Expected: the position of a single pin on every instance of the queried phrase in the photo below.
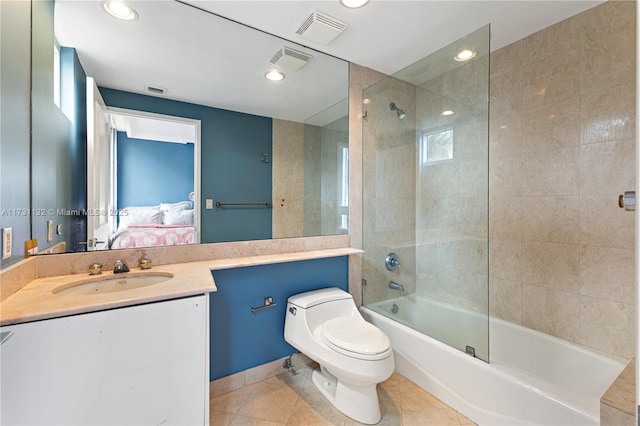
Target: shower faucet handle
(392, 262)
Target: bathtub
(532, 378)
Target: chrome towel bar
(265, 204)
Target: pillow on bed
(143, 215)
(178, 217)
(182, 205)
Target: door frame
(196, 153)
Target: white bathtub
(532, 378)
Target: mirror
(273, 155)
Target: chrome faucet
(395, 286)
(120, 267)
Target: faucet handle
(145, 263)
(95, 269)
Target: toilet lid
(356, 336)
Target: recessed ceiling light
(464, 55)
(120, 10)
(366, 101)
(354, 4)
(447, 112)
(274, 75)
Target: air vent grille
(156, 90)
(290, 59)
(321, 28)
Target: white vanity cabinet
(140, 365)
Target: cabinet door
(140, 365)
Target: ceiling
(388, 35)
(194, 54)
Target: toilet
(354, 355)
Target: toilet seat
(354, 337)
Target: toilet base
(358, 402)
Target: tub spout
(395, 286)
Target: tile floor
(292, 399)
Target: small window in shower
(436, 145)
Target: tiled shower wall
(562, 149)
(304, 182)
(287, 179)
(389, 188)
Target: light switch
(209, 204)
(7, 240)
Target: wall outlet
(209, 204)
(7, 242)
(49, 230)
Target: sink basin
(112, 283)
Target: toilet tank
(321, 305)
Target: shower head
(401, 113)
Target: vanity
(78, 349)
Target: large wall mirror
(164, 130)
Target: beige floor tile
(430, 416)
(391, 415)
(272, 399)
(315, 410)
(230, 402)
(220, 418)
(293, 400)
(239, 420)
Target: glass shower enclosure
(426, 195)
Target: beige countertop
(37, 300)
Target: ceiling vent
(290, 59)
(321, 28)
(156, 90)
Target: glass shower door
(425, 195)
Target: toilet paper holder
(268, 303)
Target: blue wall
(73, 102)
(151, 172)
(230, 162)
(15, 84)
(241, 339)
(51, 134)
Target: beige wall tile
(506, 300)
(603, 223)
(551, 219)
(552, 126)
(506, 176)
(607, 273)
(609, 18)
(551, 172)
(547, 83)
(607, 167)
(551, 311)
(505, 219)
(551, 265)
(505, 134)
(608, 326)
(505, 259)
(607, 115)
(607, 61)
